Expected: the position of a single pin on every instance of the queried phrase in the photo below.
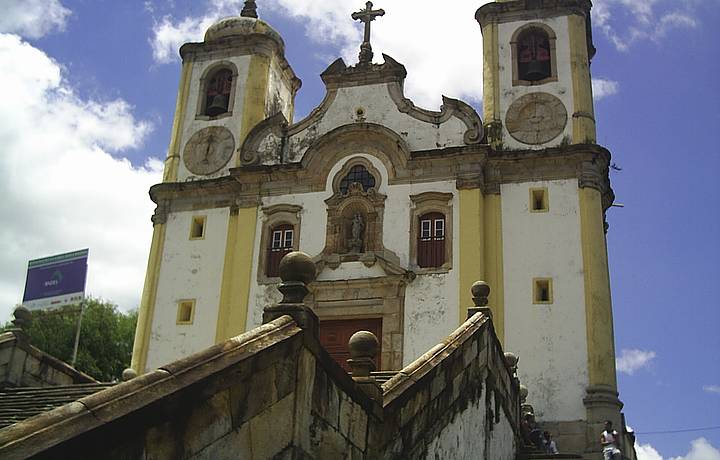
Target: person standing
(609, 439)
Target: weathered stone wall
(457, 401)
(22, 365)
(270, 393)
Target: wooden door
(335, 334)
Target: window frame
(287, 215)
(514, 53)
(180, 304)
(535, 291)
(198, 218)
(422, 205)
(205, 80)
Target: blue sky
(88, 87)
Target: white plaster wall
(501, 443)
(380, 109)
(550, 339)
(463, 437)
(190, 125)
(276, 85)
(561, 88)
(190, 269)
(431, 311)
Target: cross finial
(249, 9)
(367, 16)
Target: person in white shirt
(609, 439)
(550, 446)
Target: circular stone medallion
(536, 118)
(208, 150)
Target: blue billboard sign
(56, 281)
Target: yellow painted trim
(173, 159)
(598, 306)
(235, 293)
(180, 305)
(470, 246)
(491, 73)
(536, 288)
(256, 90)
(147, 302)
(583, 116)
(545, 199)
(494, 262)
(194, 219)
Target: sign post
(53, 282)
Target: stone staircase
(532, 453)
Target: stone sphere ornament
(297, 266)
(363, 344)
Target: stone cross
(249, 10)
(367, 16)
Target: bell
(218, 105)
(536, 70)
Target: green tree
(106, 337)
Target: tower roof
(242, 26)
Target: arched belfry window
(357, 174)
(534, 55)
(217, 92)
(533, 51)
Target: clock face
(536, 118)
(208, 150)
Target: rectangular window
(197, 227)
(539, 200)
(439, 228)
(186, 312)
(542, 291)
(277, 239)
(431, 241)
(288, 239)
(425, 226)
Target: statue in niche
(357, 231)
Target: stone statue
(358, 228)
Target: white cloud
(633, 360)
(700, 449)
(65, 185)
(625, 22)
(647, 452)
(602, 88)
(443, 55)
(712, 388)
(32, 18)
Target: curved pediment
(358, 98)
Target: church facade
(401, 208)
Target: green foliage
(106, 337)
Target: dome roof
(241, 26)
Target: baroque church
(401, 208)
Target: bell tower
(537, 89)
(201, 251)
(538, 110)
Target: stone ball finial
(23, 317)
(128, 374)
(511, 360)
(523, 393)
(363, 344)
(480, 291)
(297, 266)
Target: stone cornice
(476, 166)
(524, 10)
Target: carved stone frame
(202, 100)
(273, 216)
(424, 203)
(553, 55)
(382, 298)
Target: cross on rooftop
(367, 16)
